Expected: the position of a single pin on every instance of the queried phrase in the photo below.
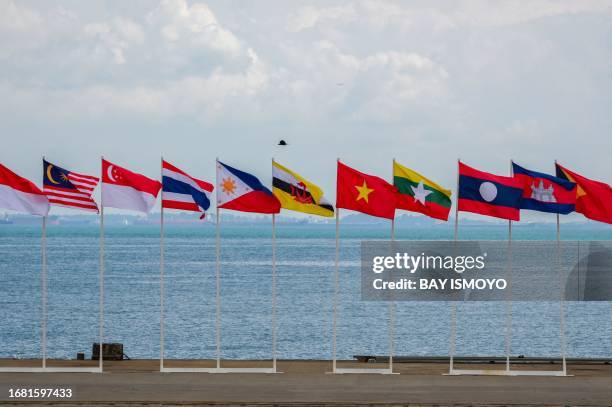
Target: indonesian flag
(20, 194)
(124, 189)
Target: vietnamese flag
(364, 193)
(593, 198)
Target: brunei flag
(297, 194)
(419, 194)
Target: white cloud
(114, 37)
(196, 26)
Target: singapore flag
(124, 189)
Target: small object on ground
(110, 351)
(80, 355)
(282, 143)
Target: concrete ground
(306, 383)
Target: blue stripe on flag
(248, 179)
(179, 187)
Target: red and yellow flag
(364, 193)
(593, 198)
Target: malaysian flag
(69, 189)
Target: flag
(69, 189)
(593, 198)
(297, 194)
(181, 191)
(419, 194)
(488, 194)
(364, 193)
(241, 191)
(20, 194)
(545, 193)
(124, 189)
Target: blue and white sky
(424, 82)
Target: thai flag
(181, 191)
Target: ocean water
(305, 288)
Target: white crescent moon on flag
(109, 172)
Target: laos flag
(241, 191)
(489, 194)
(545, 193)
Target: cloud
(194, 26)
(113, 38)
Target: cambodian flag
(545, 193)
(489, 194)
(241, 191)
(182, 191)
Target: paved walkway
(306, 382)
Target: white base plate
(488, 372)
(219, 370)
(50, 369)
(361, 371)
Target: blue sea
(305, 288)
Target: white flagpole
(274, 292)
(101, 322)
(453, 332)
(218, 276)
(161, 274)
(336, 287)
(392, 303)
(44, 291)
(509, 302)
(562, 299)
(274, 333)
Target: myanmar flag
(419, 194)
(593, 198)
(364, 193)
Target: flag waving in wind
(20, 194)
(69, 189)
(489, 194)
(544, 192)
(182, 191)
(298, 194)
(124, 189)
(241, 191)
(364, 193)
(593, 198)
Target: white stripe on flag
(182, 178)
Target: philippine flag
(124, 189)
(240, 191)
(181, 191)
(545, 193)
(488, 194)
(20, 194)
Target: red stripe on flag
(92, 207)
(185, 206)
(483, 208)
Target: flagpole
(336, 286)
(44, 291)
(101, 321)
(562, 299)
(274, 333)
(274, 292)
(217, 276)
(161, 274)
(509, 302)
(392, 303)
(453, 327)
